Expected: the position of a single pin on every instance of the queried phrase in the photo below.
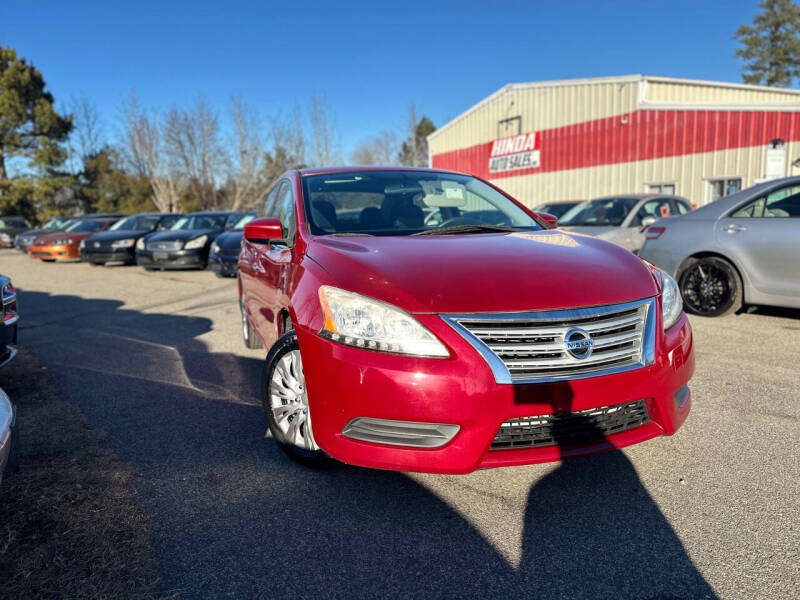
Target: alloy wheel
(288, 402)
(707, 288)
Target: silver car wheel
(288, 400)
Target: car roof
(364, 168)
(639, 196)
(213, 212)
(721, 206)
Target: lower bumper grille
(567, 429)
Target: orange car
(65, 245)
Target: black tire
(710, 287)
(286, 344)
(251, 339)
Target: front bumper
(172, 259)
(346, 383)
(224, 265)
(105, 255)
(59, 252)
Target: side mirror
(263, 231)
(551, 220)
(647, 221)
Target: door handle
(735, 228)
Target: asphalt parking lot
(156, 360)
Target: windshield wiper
(345, 233)
(469, 229)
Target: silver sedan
(622, 219)
(744, 248)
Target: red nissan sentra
(427, 321)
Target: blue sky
(370, 59)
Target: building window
(668, 189)
(719, 188)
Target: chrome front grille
(531, 347)
(169, 245)
(567, 429)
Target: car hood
(119, 234)
(485, 272)
(229, 240)
(49, 238)
(37, 232)
(183, 235)
(600, 232)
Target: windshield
(601, 212)
(242, 222)
(191, 222)
(406, 202)
(136, 223)
(55, 223)
(83, 226)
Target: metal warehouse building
(583, 138)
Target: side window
(658, 209)
(284, 211)
(269, 201)
(682, 207)
(783, 203)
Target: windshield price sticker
(515, 152)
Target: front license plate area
(160, 256)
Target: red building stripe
(647, 134)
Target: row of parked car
(155, 241)
(743, 248)
(376, 289)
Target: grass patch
(69, 522)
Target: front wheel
(286, 403)
(710, 287)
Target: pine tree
(771, 47)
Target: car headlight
(198, 242)
(5, 237)
(214, 248)
(126, 243)
(363, 322)
(140, 243)
(671, 301)
(82, 245)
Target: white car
(622, 219)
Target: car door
(251, 269)
(655, 208)
(270, 263)
(763, 237)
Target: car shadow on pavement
(232, 516)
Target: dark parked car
(9, 228)
(557, 209)
(25, 239)
(8, 329)
(224, 257)
(187, 244)
(117, 244)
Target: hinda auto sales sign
(515, 152)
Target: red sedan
(430, 322)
